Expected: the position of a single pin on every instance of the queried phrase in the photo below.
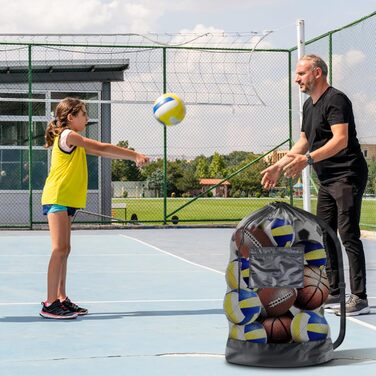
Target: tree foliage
(124, 170)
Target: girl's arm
(102, 149)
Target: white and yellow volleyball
(236, 278)
(242, 306)
(314, 253)
(255, 332)
(309, 326)
(280, 232)
(236, 332)
(169, 109)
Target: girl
(65, 191)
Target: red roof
(213, 182)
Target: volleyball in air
(169, 109)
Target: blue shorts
(48, 209)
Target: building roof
(64, 70)
(213, 182)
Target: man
(329, 143)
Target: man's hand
(295, 166)
(270, 176)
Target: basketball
(314, 252)
(276, 301)
(242, 306)
(169, 109)
(309, 326)
(315, 290)
(278, 329)
(280, 231)
(251, 236)
(232, 273)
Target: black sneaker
(56, 311)
(332, 301)
(356, 306)
(68, 304)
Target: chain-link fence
(242, 114)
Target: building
(220, 191)
(275, 156)
(49, 82)
(369, 151)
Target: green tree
(124, 170)
(217, 166)
(202, 167)
(188, 182)
(371, 185)
(248, 182)
(155, 182)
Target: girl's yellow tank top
(67, 181)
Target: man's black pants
(339, 205)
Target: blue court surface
(155, 300)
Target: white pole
(306, 173)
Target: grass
(216, 210)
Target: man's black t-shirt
(333, 107)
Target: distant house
(275, 156)
(219, 191)
(369, 151)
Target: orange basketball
(278, 329)
(315, 290)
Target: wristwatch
(310, 160)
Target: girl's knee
(61, 250)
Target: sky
(166, 16)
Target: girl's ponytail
(52, 131)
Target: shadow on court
(115, 315)
(353, 356)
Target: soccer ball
(169, 109)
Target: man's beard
(309, 87)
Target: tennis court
(155, 301)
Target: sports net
(241, 116)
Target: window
(17, 133)
(20, 108)
(14, 138)
(14, 166)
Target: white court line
(122, 301)
(367, 325)
(172, 255)
(362, 323)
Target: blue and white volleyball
(280, 231)
(242, 306)
(314, 253)
(255, 332)
(309, 326)
(236, 332)
(169, 109)
(236, 278)
(252, 332)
